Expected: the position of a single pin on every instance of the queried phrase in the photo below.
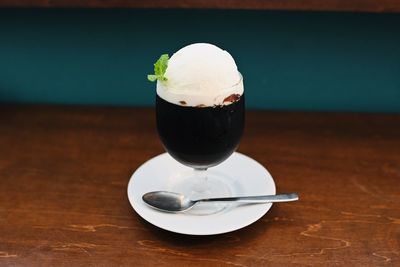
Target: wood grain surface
(64, 174)
(315, 5)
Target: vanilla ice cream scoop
(201, 75)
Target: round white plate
(159, 173)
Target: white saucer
(160, 172)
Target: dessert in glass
(200, 113)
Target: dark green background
(289, 60)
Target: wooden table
(64, 173)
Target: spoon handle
(255, 199)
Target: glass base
(199, 185)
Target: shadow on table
(235, 238)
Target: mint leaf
(160, 67)
(151, 77)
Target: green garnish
(159, 69)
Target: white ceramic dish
(245, 175)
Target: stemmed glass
(200, 138)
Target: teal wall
(289, 60)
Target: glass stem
(201, 185)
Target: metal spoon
(174, 202)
